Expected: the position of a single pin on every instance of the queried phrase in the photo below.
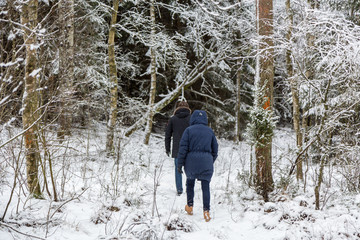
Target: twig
(71, 199)
(24, 131)
(168, 220)
(14, 183)
(208, 96)
(301, 153)
(25, 234)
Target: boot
(207, 216)
(189, 209)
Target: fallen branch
(25, 234)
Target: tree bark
(322, 162)
(30, 101)
(296, 117)
(66, 65)
(113, 80)
(266, 82)
(153, 76)
(238, 101)
(294, 92)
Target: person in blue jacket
(197, 153)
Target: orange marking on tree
(267, 104)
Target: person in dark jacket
(197, 153)
(175, 128)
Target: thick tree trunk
(153, 76)
(295, 93)
(266, 82)
(30, 100)
(113, 80)
(66, 65)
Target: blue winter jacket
(198, 148)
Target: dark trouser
(178, 178)
(205, 187)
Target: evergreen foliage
(260, 128)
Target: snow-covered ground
(136, 199)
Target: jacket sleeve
(168, 134)
(214, 147)
(183, 148)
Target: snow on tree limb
(198, 71)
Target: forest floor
(136, 199)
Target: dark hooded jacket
(175, 128)
(198, 148)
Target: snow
(17, 87)
(35, 72)
(9, 64)
(102, 200)
(11, 36)
(45, 1)
(3, 100)
(34, 46)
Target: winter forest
(87, 88)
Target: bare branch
(25, 234)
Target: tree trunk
(153, 76)
(238, 95)
(66, 65)
(307, 119)
(113, 80)
(30, 101)
(319, 139)
(296, 117)
(294, 92)
(266, 82)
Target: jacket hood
(182, 112)
(199, 117)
